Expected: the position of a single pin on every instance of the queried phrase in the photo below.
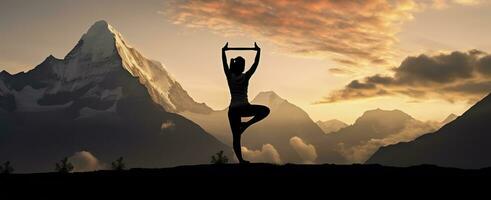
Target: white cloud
(167, 125)
(84, 161)
(268, 154)
(306, 151)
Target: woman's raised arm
(226, 68)
(253, 68)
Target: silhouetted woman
(239, 104)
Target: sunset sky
(334, 59)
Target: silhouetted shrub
(64, 166)
(118, 164)
(6, 168)
(219, 158)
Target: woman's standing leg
(234, 119)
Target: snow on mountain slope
(163, 88)
(26, 100)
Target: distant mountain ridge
(449, 119)
(331, 126)
(464, 143)
(351, 144)
(375, 128)
(286, 121)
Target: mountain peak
(449, 118)
(268, 94)
(382, 116)
(4, 73)
(268, 98)
(50, 58)
(99, 27)
(331, 126)
(47, 63)
(380, 111)
(331, 121)
(98, 43)
(101, 23)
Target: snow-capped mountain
(100, 52)
(103, 97)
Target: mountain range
(462, 143)
(375, 128)
(103, 97)
(290, 134)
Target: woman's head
(237, 65)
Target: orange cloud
(352, 31)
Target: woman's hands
(256, 47)
(225, 48)
(254, 65)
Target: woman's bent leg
(259, 112)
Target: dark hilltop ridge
(252, 171)
(258, 180)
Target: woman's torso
(238, 89)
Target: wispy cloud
(351, 32)
(439, 4)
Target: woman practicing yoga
(239, 104)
